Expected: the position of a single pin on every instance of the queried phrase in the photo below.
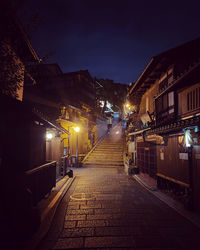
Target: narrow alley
(100, 125)
(107, 209)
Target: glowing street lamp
(77, 129)
(49, 136)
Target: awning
(51, 123)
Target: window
(171, 98)
(165, 107)
(193, 99)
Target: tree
(12, 70)
(109, 91)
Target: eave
(48, 121)
(186, 73)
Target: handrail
(41, 180)
(31, 171)
(93, 148)
(97, 143)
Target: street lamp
(49, 136)
(77, 129)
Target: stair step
(110, 147)
(102, 159)
(101, 166)
(100, 153)
(113, 149)
(106, 157)
(108, 153)
(104, 164)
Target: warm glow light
(127, 105)
(117, 132)
(77, 129)
(49, 136)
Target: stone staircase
(108, 153)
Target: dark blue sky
(112, 39)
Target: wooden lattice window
(193, 99)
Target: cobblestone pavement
(109, 210)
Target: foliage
(12, 70)
(114, 93)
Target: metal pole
(68, 151)
(77, 150)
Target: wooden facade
(167, 134)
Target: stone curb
(48, 209)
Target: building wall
(196, 176)
(22, 142)
(146, 155)
(71, 143)
(147, 101)
(53, 149)
(37, 141)
(172, 160)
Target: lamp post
(77, 129)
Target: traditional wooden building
(165, 121)
(68, 99)
(23, 127)
(25, 176)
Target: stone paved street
(109, 210)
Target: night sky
(112, 39)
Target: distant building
(80, 87)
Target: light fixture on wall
(77, 129)
(49, 136)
